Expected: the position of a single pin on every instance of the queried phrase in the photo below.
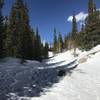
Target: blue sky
(50, 14)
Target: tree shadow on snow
(32, 83)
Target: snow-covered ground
(61, 59)
(30, 78)
(40, 81)
(83, 84)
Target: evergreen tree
(74, 27)
(80, 37)
(55, 42)
(37, 46)
(19, 39)
(70, 45)
(1, 28)
(16, 35)
(60, 43)
(83, 28)
(33, 41)
(90, 19)
(90, 7)
(74, 34)
(42, 51)
(66, 42)
(90, 35)
(45, 49)
(92, 27)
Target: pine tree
(90, 36)
(45, 49)
(83, 28)
(5, 34)
(37, 46)
(66, 42)
(33, 41)
(92, 26)
(19, 39)
(60, 43)
(90, 19)
(90, 7)
(1, 28)
(80, 37)
(55, 42)
(74, 27)
(74, 34)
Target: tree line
(17, 38)
(86, 38)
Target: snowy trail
(83, 84)
(40, 81)
(31, 78)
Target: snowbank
(83, 84)
(61, 59)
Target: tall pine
(37, 46)
(90, 33)
(19, 38)
(90, 7)
(92, 26)
(74, 34)
(66, 38)
(74, 27)
(1, 28)
(55, 41)
(60, 43)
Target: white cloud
(70, 18)
(79, 17)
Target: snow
(50, 54)
(28, 79)
(33, 80)
(63, 58)
(83, 84)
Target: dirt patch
(82, 60)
